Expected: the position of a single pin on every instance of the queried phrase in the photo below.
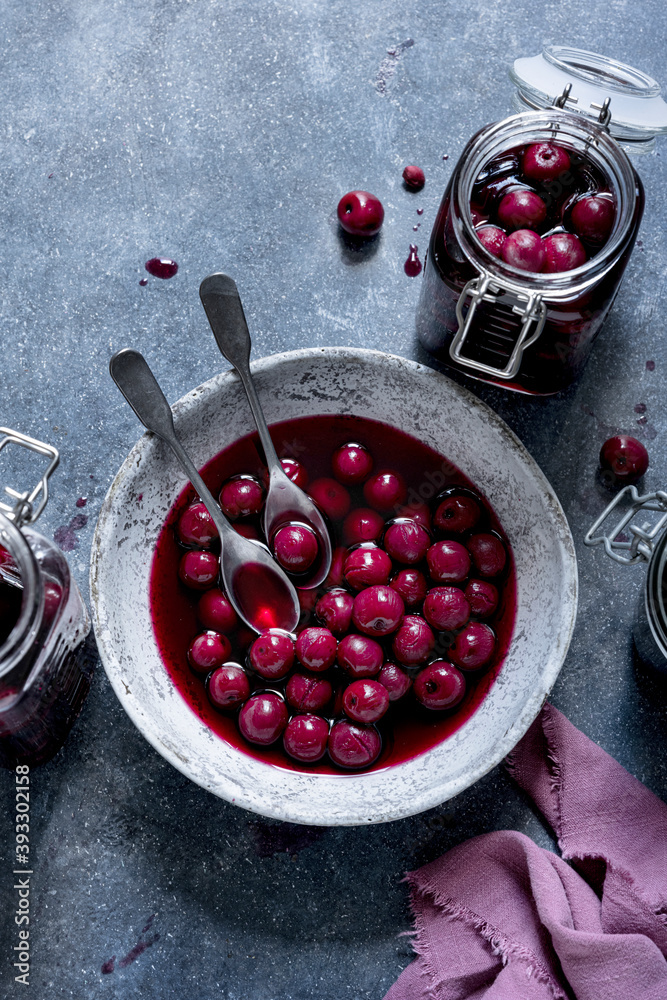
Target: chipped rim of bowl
(413, 803)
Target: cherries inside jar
(528, 249)
(388, 659)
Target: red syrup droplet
(82, 501)
(161, 267)
(445, 156)
(143, 281)
(420, 211)
(413, 265)
(650, 366)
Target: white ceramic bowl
(444, 416)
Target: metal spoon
(261, 593)
(285, 502)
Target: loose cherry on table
(623, 459)
(414, 177)
(360, 213)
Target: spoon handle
(131, 373)
(222, 305)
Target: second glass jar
(527, 331)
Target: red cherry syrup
(407, 729)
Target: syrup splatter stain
(82, 501)
(64, 535)
(161, 267)
(134, 953)
(413, 265)
(650, 366)
(640, 408)
(604, 429)
(388, 66)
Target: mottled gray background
(223, 134)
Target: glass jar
(630, 543)
(46, 647)
(533, 331)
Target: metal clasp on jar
(530, 308)
(23, 509)
(639, 547)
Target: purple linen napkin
(498, 918)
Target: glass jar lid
(623, 99)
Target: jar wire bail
(24, 510)
(617, 545)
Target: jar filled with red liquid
(529, 322)
(46, 649)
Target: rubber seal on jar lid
(638, 112)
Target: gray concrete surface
(222, 134)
